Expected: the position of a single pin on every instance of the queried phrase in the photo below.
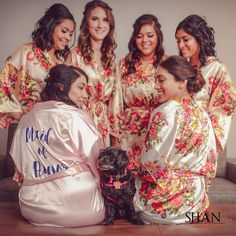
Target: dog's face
(111, 159)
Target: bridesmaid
(179, 155)
(55, 150)
(22, 77)
(134, 95)
(196, 41)
(95, 55)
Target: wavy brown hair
(108, 45)
(61, 75)
(204, 34)
(42, 36)
(134, 53)
(181, 69)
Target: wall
(16, 27)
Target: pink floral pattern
(178, 157)
(218, 98)
(157, 122)
(100, 87)
(22, 79)
(133, 102)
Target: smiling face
(146, 40)
(167, 86)
(188, 45)
(98, 24)
(62, 34)
(77, 93)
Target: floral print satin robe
(218, 98)
(22, 80)
(178, 163)
(132, 103)
(100, 88)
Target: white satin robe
(55, 148)
(218, 98)
(100, 85)
(178, 163)
(22, 80)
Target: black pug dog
(117, 185)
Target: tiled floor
(12, 224)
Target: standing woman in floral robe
(95, 55)
(195, 40)
(22, 76)
(179, 157)
(134, 94)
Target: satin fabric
(218, 98)
(55, 148)
(178, 163)
(101, 85)
(22, 80)
(133, 100)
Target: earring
(61, 87)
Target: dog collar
(115, 182)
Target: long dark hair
(108, 45)
(181, 69)
(42, 36)
(134, 53)
(204, 34)
(60, 76)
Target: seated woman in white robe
(55, 150)
(179, 157)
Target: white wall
(16, 27)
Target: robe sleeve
(92, 160)
(160, 137)
(90, 143)
(161, 126)
(8, 100)
(222, 105)
(12, 86)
